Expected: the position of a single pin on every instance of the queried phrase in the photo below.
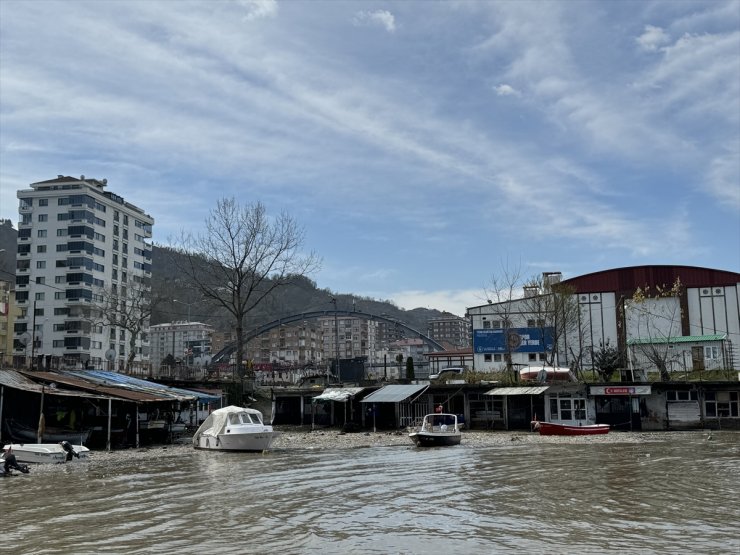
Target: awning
(534, 390)
(393, 393)
(340, 394)
(15, 380)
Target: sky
(424, 147)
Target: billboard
(515, 340)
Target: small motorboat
(438, 429)
(552, 429)
(234, 429)
(47, 453)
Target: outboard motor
(67, 446)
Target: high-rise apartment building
(187, 342)
(357, 337)
(79, 246)
(452, 331)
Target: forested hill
(303, 296)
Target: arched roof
(631, 277)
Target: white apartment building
(187, 342)
(76, 240)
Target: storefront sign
(620, 390)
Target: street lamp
(187, 304)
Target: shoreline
(294, 439)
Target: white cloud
(258, 9)
(378, 17)
(652, 38)
(724, 176)
(449, 300)
(506, 90)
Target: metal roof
(534, 390)
(681, 339)
(88, 385)
(16, 380)
(340, 394)
(393, 393)
(131, 383)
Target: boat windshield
(255, 418)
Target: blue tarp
(103, 377)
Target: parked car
(447, 372)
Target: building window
(41, 233)
(497, 358)
(533, 357)
(722, 404)
(43, 202)
(40, 248)
(486, 324)
(487, 358)
(40, 264)
(682, 395)
(39, 296)
(711, 353)
(566, 408)
(41, 280)
(43, 217)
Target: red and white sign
(620, 390)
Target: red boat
(550, 429)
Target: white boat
(438, 429)
(234, 429)
(46, 453)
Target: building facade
(696, 327)
(78, 245)
(451, 331)
(188, 343)
(347, 338)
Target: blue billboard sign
(513, 340)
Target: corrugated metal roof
(393, 393)
(534, 390)
(107, 390)
(130, 383)
(16, 380)
(340, 394)
(681, 339)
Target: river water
(636, 493)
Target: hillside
(303, 296)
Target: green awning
(680, 339)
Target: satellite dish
(25, 338)
(110, 354)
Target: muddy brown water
(630, 493)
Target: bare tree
(502, 290)
(656, 316)
(554, 309)
(127, 307)
(241, 257)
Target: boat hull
(47, 453)
(437, 430)
(550, 429)
(250, 442)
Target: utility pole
(336, 338)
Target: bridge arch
(227, 351)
